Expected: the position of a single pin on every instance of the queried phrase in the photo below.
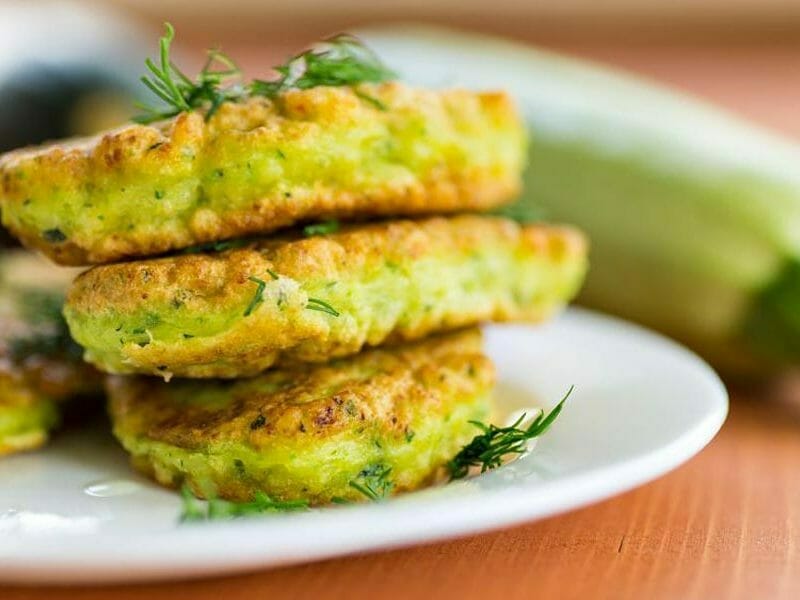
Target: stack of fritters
(328, 347)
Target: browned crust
(219, 276)
(155, 150)
(386, 386)
(215, 288)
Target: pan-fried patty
(237, 312)
(40, 365)
(256, 166)
(387, 419)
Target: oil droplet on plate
(111, 488)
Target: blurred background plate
(642, 405)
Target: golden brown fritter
(237, 312)
(259, 165)
(386, 418)
(40, 365)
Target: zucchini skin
(693, 214)
(667, 255)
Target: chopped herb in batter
(258, 297)
(55, 236)
(216, 509)
(316, 304)
(323, 228)
(374, 482)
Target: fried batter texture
(386, 419)
(259, 165)
(283, 301)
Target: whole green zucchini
(693, 214)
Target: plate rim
(46, 559)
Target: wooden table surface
(725, 525)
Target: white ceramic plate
(642, 405)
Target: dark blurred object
(43, 102)
(6, 241)
(66, 68)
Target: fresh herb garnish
(258, 297)
(381, 106)
(217, 509)
(323, 228)
(54, 236)
(374, 482)
(179, 93)
(42, 309)
(192, 509)
(488, 449)
(317, 304)
(216, 246)
(337, 61)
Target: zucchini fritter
(259, 165)
(387, 419)
(40, 365)
(237, 312)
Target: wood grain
(725, 525)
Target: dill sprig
(336, 61)
(323, 228)
(488, 449)
(374, 483)
(258, 297)
(322, 306)
(221, 246)
(216, 509)
(210, 88)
